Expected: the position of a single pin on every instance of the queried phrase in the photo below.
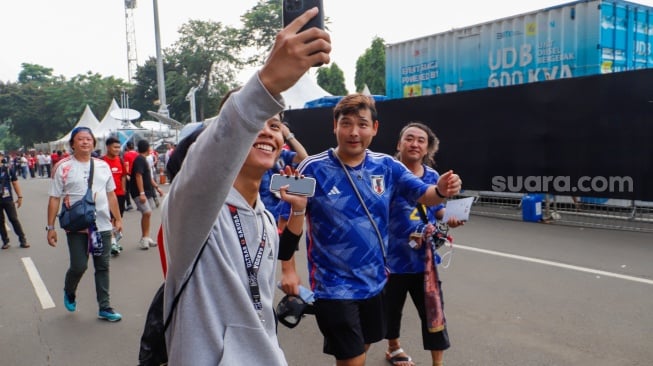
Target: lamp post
(191, 98)
(160, 80)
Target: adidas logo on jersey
(334, 191)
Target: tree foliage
(332, 79)
(260, 26)
(370, 68)
(41, 107)
(205, 56)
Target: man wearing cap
(8, 179)
(70, 181)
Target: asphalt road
(516, 293)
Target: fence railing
(617, 214)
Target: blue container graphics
(332, 100)
(531, 205)
(570, 40)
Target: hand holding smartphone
(301, 186)
(294, 8)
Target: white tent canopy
(87, 119)
(306, 89)
(110, 125)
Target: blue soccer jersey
(345, 259)
(404, 219)
(270, 199)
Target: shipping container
(569, 40)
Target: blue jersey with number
(345, 259)
(404, 219)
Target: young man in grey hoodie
(225, 314)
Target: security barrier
(616, 214)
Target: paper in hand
(459, 209)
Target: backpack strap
(162, 251)
(181, 290)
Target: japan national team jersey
(345, 260)
(404, 219)
(271, 200)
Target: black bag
(153, 350)
(81, 214)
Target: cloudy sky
(76, 36)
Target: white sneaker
(151, 242)
(144, 244)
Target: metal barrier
(613, 214)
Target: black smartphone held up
(298, 186)
(294, 8)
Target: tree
(34, 73)
(260, 26)
(42, 107)
(370, 68)
(145, 93)
(206, 56)
(332, 79)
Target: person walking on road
(225, 315)
(416, 148)
(143, 188)
(117, 166)
(9, 180)
(128, 157)
(70, 181)
(347, 266)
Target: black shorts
(348, 325)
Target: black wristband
(437, 191)
(288, 244)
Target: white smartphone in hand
(303, 186)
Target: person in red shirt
(128, 157)
(54, 157)
(31, 163)
(117, 166)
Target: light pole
(160, 80)
(191, 98)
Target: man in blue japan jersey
(415, 149)
(347, 265)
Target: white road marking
(39, 287)
(556, 264)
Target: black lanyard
(252, 267)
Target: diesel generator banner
(589, 136)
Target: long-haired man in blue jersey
(346, 256)
(409, 254)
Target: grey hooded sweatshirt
(215, 322)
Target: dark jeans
(10, 209)
(78, 249)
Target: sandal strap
(397, 352)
